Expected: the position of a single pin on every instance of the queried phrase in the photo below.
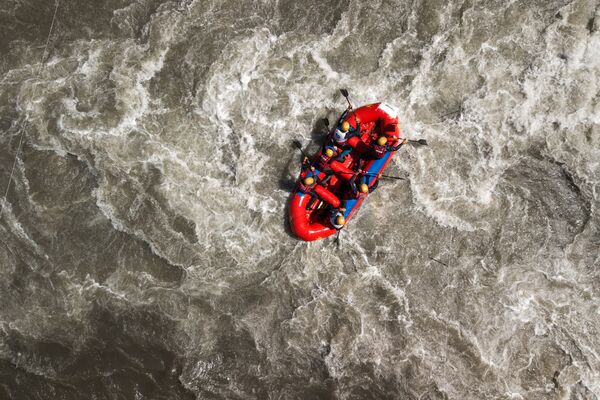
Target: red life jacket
(360, 195)
(305, 188)
(379, 151)
(323, 161)
(305, 173)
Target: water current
(145, 251)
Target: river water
(145, 251)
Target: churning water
(145, 251)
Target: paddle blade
(422, 141)
(344, 92)
(326, 122)
(297, 144)
(394, 177)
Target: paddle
(344, 93)
(420, 141)
(297, 144)
(392, 177)
(378, 176)
(326, 124)
(382, 176)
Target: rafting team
(330, 160)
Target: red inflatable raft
(310, 219)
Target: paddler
(308, 177)
(382, 146)
(359, 187)
(328, 164)
(341, 135)
(323, 161)
(337, 218)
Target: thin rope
(12, 171)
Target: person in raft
(337, 218)
(382, 146)
(359, 189)
(308, 178)
(323, 162)
(341, 135)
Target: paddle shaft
(298, 145)
(377, 175)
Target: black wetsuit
(355, 191)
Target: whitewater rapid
(144, 245)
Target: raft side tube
(327, 196)
(300, 222)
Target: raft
(313, 223)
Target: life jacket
(378, 151)
(340, 137)
(302, 187)
(305, 188)
(323, 161)
(360, 195)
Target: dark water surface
(144, 248)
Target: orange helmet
(345, 126)
(363, 187)
(309, 181)
(382, 140)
